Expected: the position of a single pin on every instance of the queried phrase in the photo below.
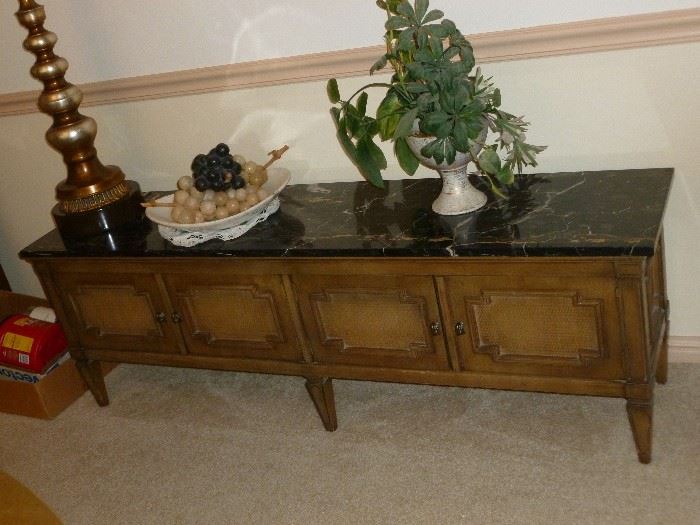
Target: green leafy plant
(432, 83)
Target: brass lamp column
(94, 199)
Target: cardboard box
(7, 373)
(46, 398)
(55, 391)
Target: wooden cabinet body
(570, 325)
(559, 288)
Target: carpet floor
(180, 446)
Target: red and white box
(30, 344)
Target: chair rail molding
(684, 349)
(605, 34)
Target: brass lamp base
(120, 216)
(94, 199)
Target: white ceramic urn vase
(457, 196)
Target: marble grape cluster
(222, 184)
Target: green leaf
(403, 128)
(429, 149)
(433, 15)
(362, 104)
(379, 64)
(496, 97)
(438, 30)
(460, 134)
(377, 154)
(449, 25)
(352, 125)
(430, 122)
(396, 22)
(371, 127)
(347, 145)
(449, 102)
(406, 10)
(425, 102)
(407, 160)
(366, 164)
(394, 5)
(416, 70)
(489, 161)
(423, 40)
(416, 87)
(352, 120)
(442, 150)
(406, 39)
(388, 115)
(435, 45)
(450, 53)
(332, 90)
(423, 54)
(421, 9)
(436, 123)
(466, 54)
(335, 113)
(450, 151)
(505, 176)
(438, 151)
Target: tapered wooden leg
(662, 365)
(321, 392)
(640, 416)
(91, 372)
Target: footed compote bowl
(458, 195)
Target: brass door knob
(435, 328)
(161, 317)
(459, 328)
(176, 317)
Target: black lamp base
(126, 215)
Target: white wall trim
(684, 349)
(649, 29)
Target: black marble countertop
(601, 213)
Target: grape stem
(276, 155)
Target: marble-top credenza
(559, 288)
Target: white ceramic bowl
(277, 179)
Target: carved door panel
(119, 311)
(376, 321)
(537, 325)
(226, 314)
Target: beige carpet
(200, 447)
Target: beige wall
(107, 39)
(617, 109)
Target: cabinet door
(374, 321)
(119, 311)
(533, 325)
(227, 314)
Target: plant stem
(376, 84)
